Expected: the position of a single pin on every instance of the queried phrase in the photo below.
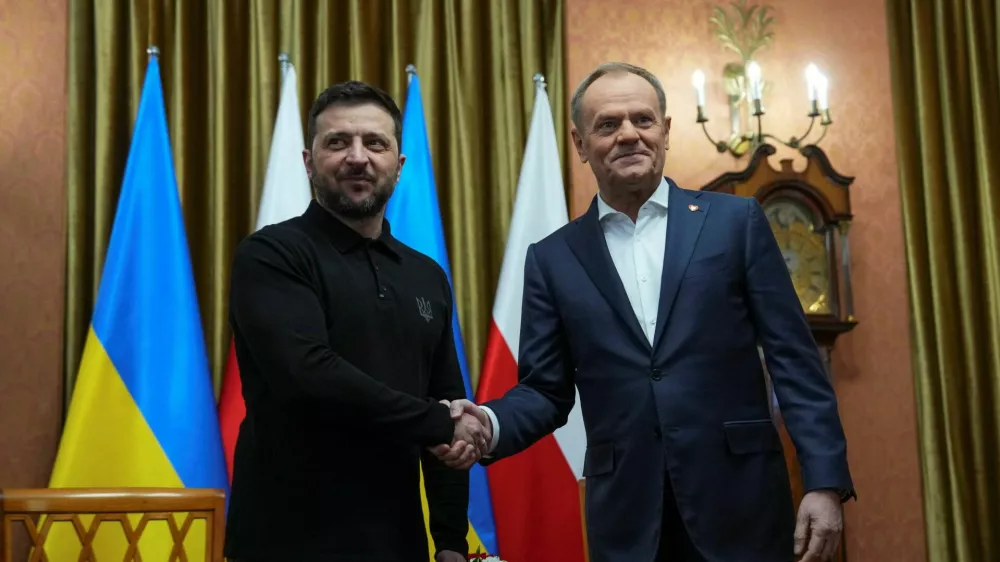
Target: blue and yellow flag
(143, 412)
(415, 219)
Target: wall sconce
(742, 141)
(745, 30)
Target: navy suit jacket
(693, 406)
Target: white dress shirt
(636, 249)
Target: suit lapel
(588, 244)
(683, 228)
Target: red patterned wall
(32, 203)
(847, 40)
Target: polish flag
(286, 194)
(536, 501)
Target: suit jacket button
(658, 433)
(656, 375)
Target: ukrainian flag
(415, 218)
(143, 411)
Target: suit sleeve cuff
(828, 472)
(496, 429)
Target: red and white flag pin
(692, 207)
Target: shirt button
(656, 375)
(643, 278)
(652, 322)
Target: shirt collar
(345, 238)
(659, 199)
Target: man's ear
(578, 144)
(307, 162)
(666, 132)
(399, 170)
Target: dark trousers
(675, 543)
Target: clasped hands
(473, 434)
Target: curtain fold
(221, 79)
(945, 60)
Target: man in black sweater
(344, 341)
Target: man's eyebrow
(364, 134)
(601, 115)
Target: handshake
(473, 434)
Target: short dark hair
(354, 92)
(611, 68)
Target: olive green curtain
(945, 60)
(220, 71)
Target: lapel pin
(693, 207)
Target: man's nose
(627, 132)
(356, 153)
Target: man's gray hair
(611, 68)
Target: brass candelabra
(750, 89)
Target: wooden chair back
(35, 510)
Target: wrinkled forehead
(355, 119)
(618, 94)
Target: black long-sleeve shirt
(345, 347)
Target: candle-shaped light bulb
(753, 74)
(821, 92)
(812, 80)
(698, 81)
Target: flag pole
(285, 61)
(411, 71)
(539, 79)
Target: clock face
(804, 252)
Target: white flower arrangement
(484, 557)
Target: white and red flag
(536, 502)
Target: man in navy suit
(653, 304)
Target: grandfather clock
(810, 214)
